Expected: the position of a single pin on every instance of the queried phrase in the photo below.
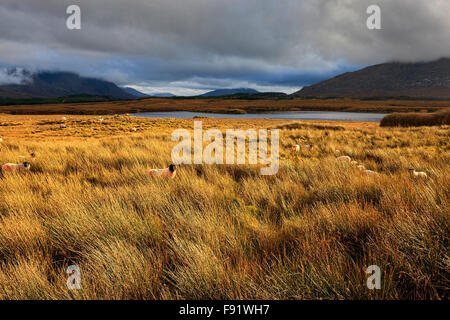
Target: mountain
(419, 80)
(139, 94)
(163, 95)
(228, 92)
(60, 84)
(134, 92)
(260, 96)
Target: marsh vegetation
(222, 232)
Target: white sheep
(100, 120)
(63, 126)
(63, 118)
(13, 167)
(168, 173)
(133, 130)
(345, 159)
(370, 173)
(418, 174)
(1, 140)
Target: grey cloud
(14, 76)
(260, 42)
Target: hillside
(425, 80)
(61, 84)
(163, 95)
(228, 92)
(135, 92)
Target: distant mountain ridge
(61, 84)
(135, 92)
(425, 79)
(163, 95)
(228, 92)
(139, 94)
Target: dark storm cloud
(199, 44)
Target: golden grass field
(308, 232)
(227, 105)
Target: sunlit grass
(222, 231)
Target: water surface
(294, 115)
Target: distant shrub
(236, 111)
(414, 119)
(10, 124)
(299, 126)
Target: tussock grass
(225, 231)
(417, 119)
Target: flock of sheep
(361, 167)
(170, 172)
(100, 119)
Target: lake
(294, 115)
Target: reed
(417, 119)
(308, 232)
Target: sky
(188, 47)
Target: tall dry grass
(417, 119)
(225, 232)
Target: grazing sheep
(345, 159)
(370, 173)
(133, 130)
(1, 140)
(13, 167)
(296, 148)
(100, 120)
(418, 174)
(168, 173)
(63, 126)
(63, 118)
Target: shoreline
(227, 106)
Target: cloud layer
(194, 45)
(14, 76)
